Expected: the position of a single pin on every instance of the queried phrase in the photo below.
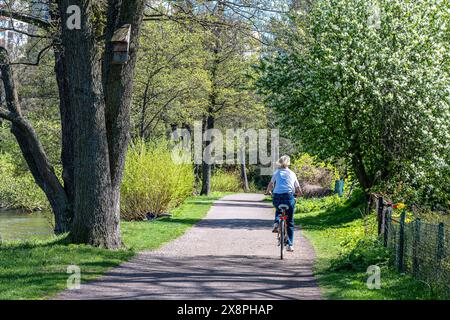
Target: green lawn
(37, 269)
(334, 229)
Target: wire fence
(418, 247)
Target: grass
(37, 269)
(334, 229)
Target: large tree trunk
(118, 81)
(33, 151)
(67, 120)
(100, 96)
(94, 222)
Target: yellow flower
(400, 206)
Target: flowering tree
(368, 81)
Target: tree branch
(41, 53)
(36, 21)
(5, 114)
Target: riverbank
(38, 269)
(22, 225)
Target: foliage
(171, 80)
(372, 88)
(38, 269)
(39, 101)
(366, 252)
(313, 172)
(18, 189)
(226, 181)
(153, 182)
(316, 204)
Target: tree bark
(93, 222)
(118, 82)
(360, 171)
(67, 121)
(32, 150)
(244, 177)
(100, 96)
(208, 124)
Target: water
(19, 225)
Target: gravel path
(231, 254)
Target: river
(19, 225)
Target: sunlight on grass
(332, 227)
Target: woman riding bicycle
(286, 188)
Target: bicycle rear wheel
(282, 238)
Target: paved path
(231, 254)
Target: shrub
(223, 181)
(366, 252)
(152, 182)
(309, 171)
(18, 190)
(316, 204)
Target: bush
(309, 171)
(366, 252)
(18, 190)
(223, 181)
(152, 182)
(316, 204)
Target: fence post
(387, 214)
(380, 215)
(401, 242)
(441, 241)
(416, 245)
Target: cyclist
(285, 187)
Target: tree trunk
(67, 120)
(244, 177)
(94, 221)
(100, 96)
(118, 82)
(33, 151)
(208, 124)
(360, 171)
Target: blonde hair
(284, 162)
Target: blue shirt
(285, 181)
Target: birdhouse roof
(122, 34)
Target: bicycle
(282, 230)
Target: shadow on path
(204, 277)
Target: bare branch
(40, 55)
(7, 115)
(30, 19)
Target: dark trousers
(289, 200)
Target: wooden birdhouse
(121, 44)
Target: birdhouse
(121, 44)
